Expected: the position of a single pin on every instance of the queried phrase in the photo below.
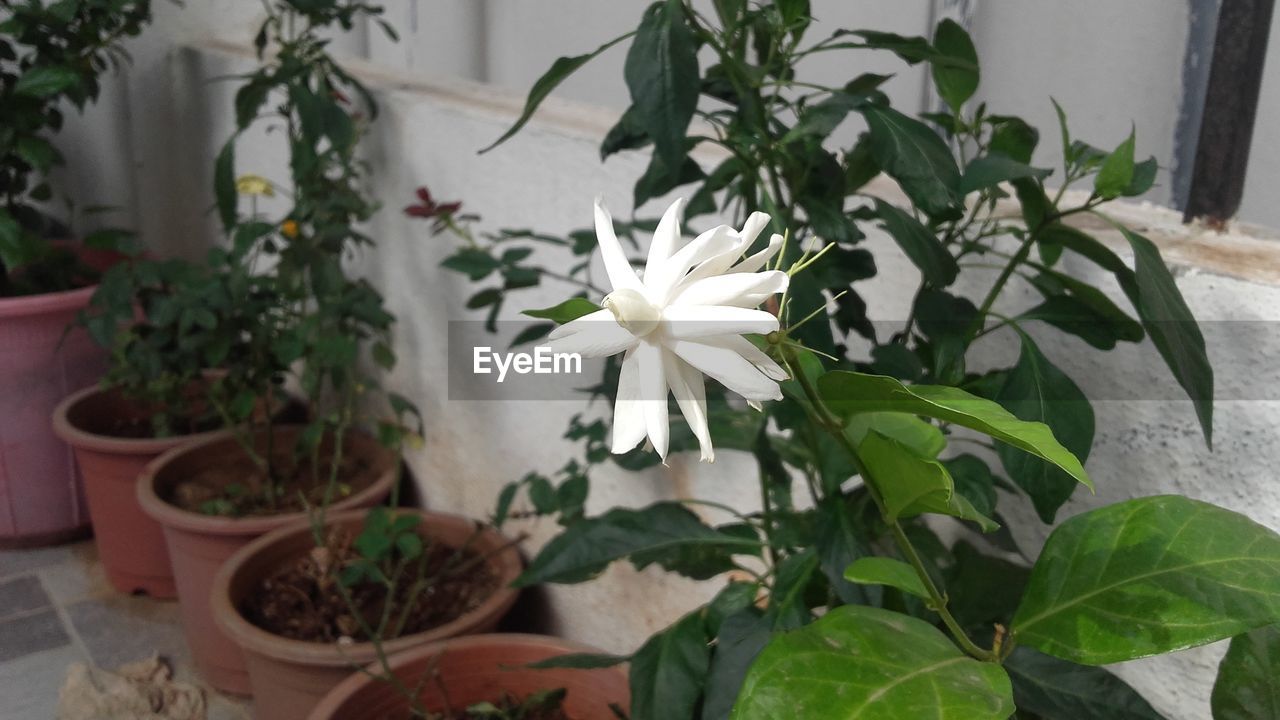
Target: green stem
(835, 425)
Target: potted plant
(308, 611)
(303, 319)
(850, 603)
(50, 54)
(485, 677)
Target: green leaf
(739, 641)
(1149, 576)
(956, 79)
(37, 152)
(973, 480)
(1036, 391)
(991, 170)
(560, 69)
(920, 245)
(662, 74)
(849, 393)
(911, 485)
(923, 438)
(475, 263)
(1056, 689)
(46, 81)
(886, 571)
(668, 672)
(1116, 172)
(1013, 137)
(224, 184)
(1172, 327)
(1144, 176)
(567, 311)
(1080, 317)
(1248, 685)
(588, 546)
(821, 118)
(913, 154)
(870, 663)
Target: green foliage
(51, 54)
(1149, 576)
(873, 437)
(1248, 686)
(873, 663)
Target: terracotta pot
(130, 543)
(41, 495)
(199, 544)
(288, 677)
(476, 669)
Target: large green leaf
(919, 244)
(662, 75)
(1037, 391)
(849, 393)
(913, 154)
(1172, 327)
(1056, 689)
(668, 672)
(1101, 328)
(956, 79)
(1248, 686)
(562, 68)
(587, 546)
(567, 311)
(1116, 172)
(872, 664)
(991, 170)
(224, 184)
(1149, 576)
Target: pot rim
(78, 437)
(251, 637)
(44, 303)
(335, 698)
(171, 516)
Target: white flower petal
(687, 385)
(745, 290)
(653, 395)
(756, 222)
(665, 239)
(616, 266)
(683, 322)
(750, 353)
(721, 263)
(757, 261)
(660, 285)
(596, 334)
(628, 412)
(729, 368)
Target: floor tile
(21, 562)
(29, 685)
(78, 577)
(21, 595)
(26, 634)
(120, 629)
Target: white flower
(684, 319)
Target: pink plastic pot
(199, 544)
(130, 544)
(41, 495)
(475, 669)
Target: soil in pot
(238, 487)
(434, 584)
(541, 705)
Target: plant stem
(835, 425)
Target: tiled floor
(56, 609)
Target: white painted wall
(149, 147)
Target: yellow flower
(289, 228)
(254, 185)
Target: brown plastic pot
(476, 669)
(199, 544)
(130, 544)
(289, 677)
